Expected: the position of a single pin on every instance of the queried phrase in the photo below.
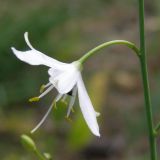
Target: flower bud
(28, 143)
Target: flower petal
(54, 72)
(27, 40)
(34, 57)
(87, 109)
(65, 81)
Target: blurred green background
(66, 30)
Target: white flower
(67, 79)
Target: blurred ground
(66, 30)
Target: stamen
(43, 119)
(34, 99)
(64, 99)
(46, 91)
(44, 86)
(47, 113)
(58, 97)
(72, 100)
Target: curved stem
(143, 63)
(107, 44)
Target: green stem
(39, 155)
(143, 63)
(107, 44)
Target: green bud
(28, 143)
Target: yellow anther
(42, 88)
(34, 99)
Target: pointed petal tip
(16, 52)
(26, 34)
(96, 133)
(12, 48)
(27, 40)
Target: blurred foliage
(65, 30)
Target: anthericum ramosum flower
(66, 78)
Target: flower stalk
(143, 62)
(107, 44)
(39, 155)
(30, 145)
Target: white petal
(54, 72)
(71, 67)
(34, 57)
(27, 40)
(87, 109)
(65, 82)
